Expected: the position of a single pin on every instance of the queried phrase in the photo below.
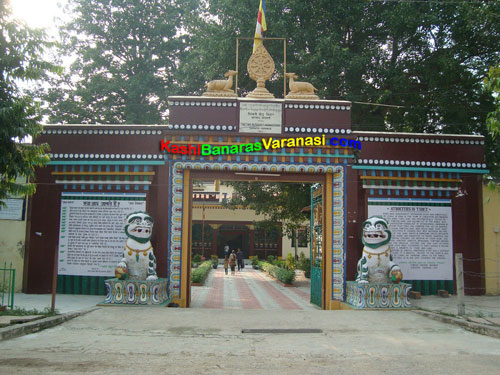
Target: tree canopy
(280, 203)
(419, 64)
(492, 85)
(21, 49)
(126, 53)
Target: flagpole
(237, 58)
(284, 68)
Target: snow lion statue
(138, 260)
(376, 264)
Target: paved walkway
(476, 306)
(248, 289)
(149, 340)
(64, 302)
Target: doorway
(235, 236)
(332, 176)
(238, 236)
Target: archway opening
(215, 226)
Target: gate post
(185, 296)
(327, 244)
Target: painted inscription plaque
(91, 234)
(260, 118)
(421, 235)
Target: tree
(421, 73)
(21, 49)
(280, 203)
(492, 86)
(126, 53)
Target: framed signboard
(421, 241)
(14, 209)
(261, 118)
(91, 234)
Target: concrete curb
(482, 329)
(39, 325)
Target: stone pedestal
(136, 292)
(378, 295)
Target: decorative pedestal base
(378, 296)
(136, 292)
(220, 94)
(260, 93)
(302, 96)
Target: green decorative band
(118, 162)
(409, 204)
(104, 197)
(453, 170)
(301, 154)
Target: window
(303, 237)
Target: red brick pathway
(215, 297)
(285, 302)
(248, 289)
(247, 298)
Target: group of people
(233, 259)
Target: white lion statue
(376, 264)
(138, 260)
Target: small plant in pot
(305, 265)
(255, 262)
(195, 260)
(215, 261)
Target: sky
(38, 13)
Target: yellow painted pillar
(491, 219)
(186, 253)
(327, 242)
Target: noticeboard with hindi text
(261, 118)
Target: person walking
(239, 257)
(226, 250)
(232, 261)
(226, 264)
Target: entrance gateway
(428, 186)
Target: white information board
(91, 233)
(262, 118)
(14, 209)
(421, 241)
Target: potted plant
(215, 261)
(195, 260)
(255, 262)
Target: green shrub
(271, 259)
(199, 274)
(196, 258)
(255, 260)
(279, 263)
(304, 264)
(290, 262)
(282, 274)
(301, 263)
(214, 259)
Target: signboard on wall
(14, 209)
(91, 234)
(262, 118)
(421, 241)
